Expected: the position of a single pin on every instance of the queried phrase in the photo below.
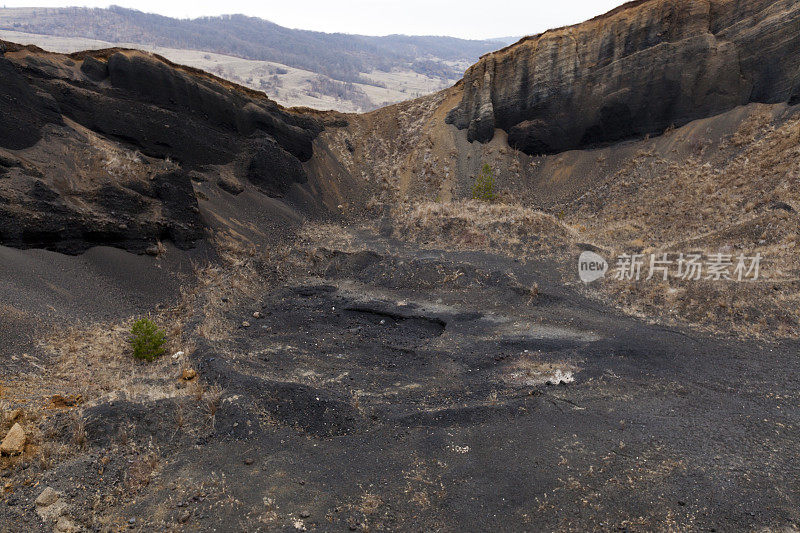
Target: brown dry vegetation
(730, 185)
(493, 227)
(92, 363)
(741, 197)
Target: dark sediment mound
(637, 70)
(25, 110)
(132, 216)
(102, 148)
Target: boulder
(14, 441)
(66, 525)
(13, 415)
(48, 497)
(50, 505)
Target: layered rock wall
(637, 70)
(102, 148)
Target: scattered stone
(66, 525)
(245, 324)
(188, 374)
(304, 514)
(13, 415)
(561, 377)
(50, 506)
(14, 442)
(256, 315)
(184, 517)
(47, 497)
(248, 461)
(177, 355)
(153, 250)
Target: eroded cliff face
(112, 148)
(123, 148)
(637, 70)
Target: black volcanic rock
(183, 225)
(73, 192)
(271, 170)
(133, 218)
(156, 82)
(24, 109)
(95, 69)
(148, 128)
(165, 112)
(637, 70)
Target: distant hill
(338, 56)
(505, 41)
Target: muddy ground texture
(392, 388)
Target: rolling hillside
(296, 67)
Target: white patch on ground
(541, 331)
(532, 373)
(560, 376)
(509, 327)
(458, 449)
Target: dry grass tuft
(78, 424)
(211, 401)
(141, 471)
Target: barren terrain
(354, 343)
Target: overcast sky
(473, 19)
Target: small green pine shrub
(484, 185)
(147, 340)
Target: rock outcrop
(25, 110)
(637, 70)
(102, 148)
